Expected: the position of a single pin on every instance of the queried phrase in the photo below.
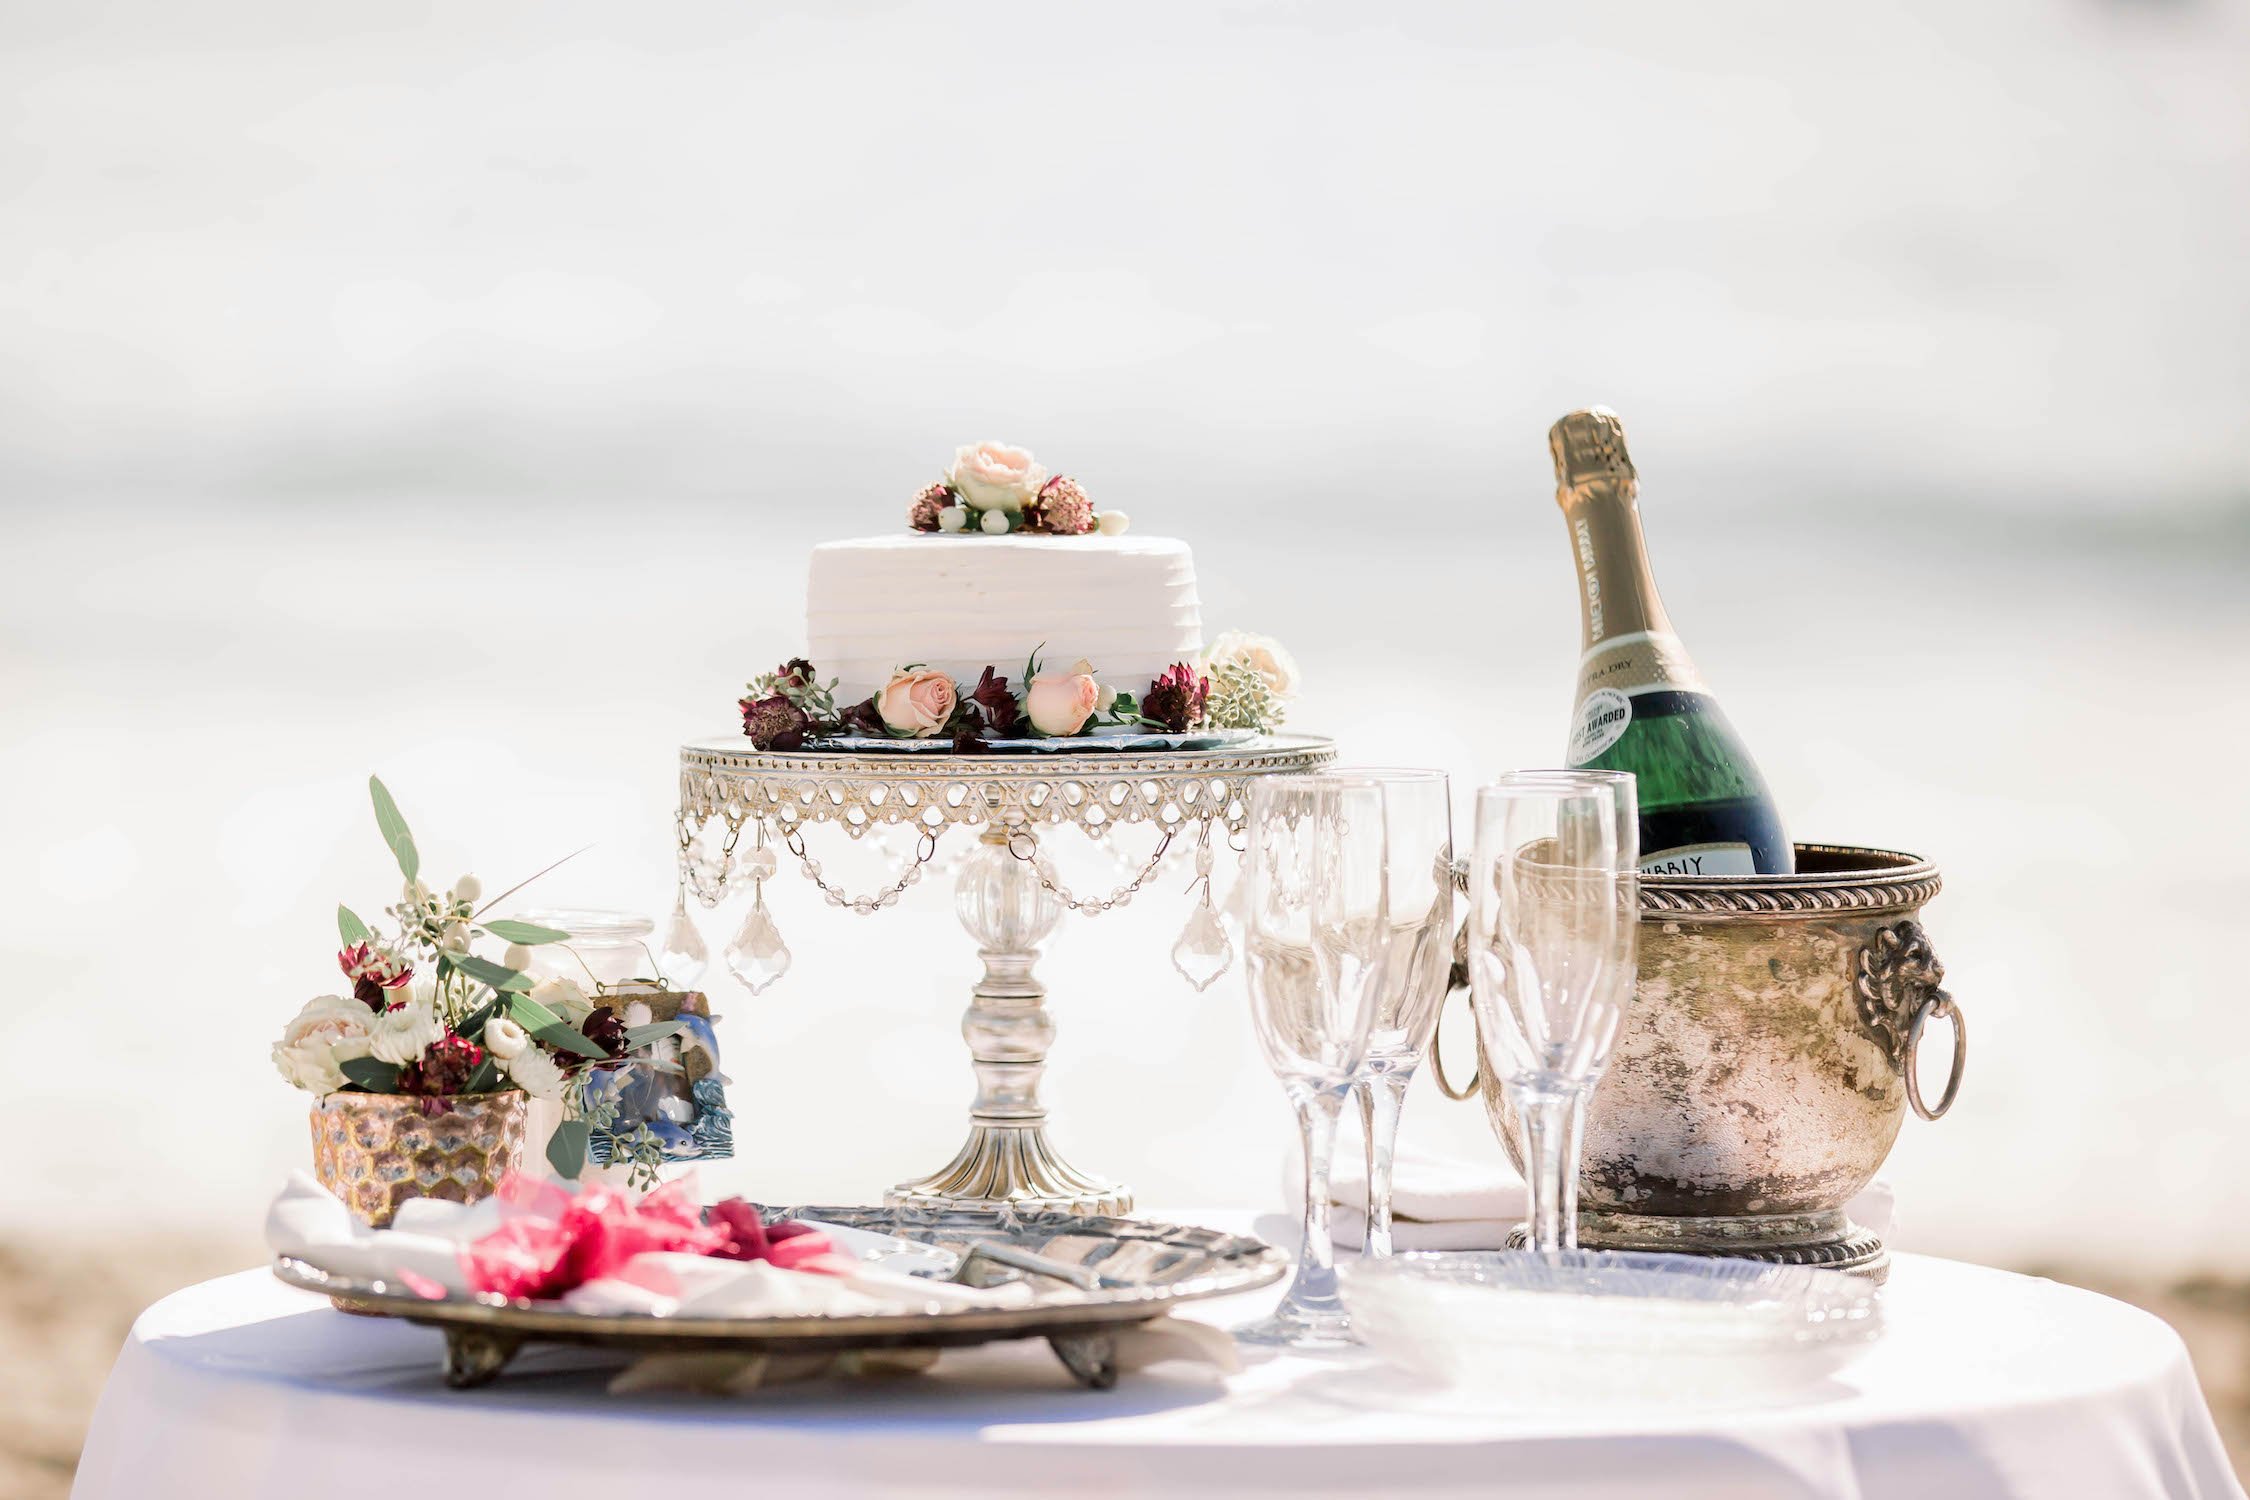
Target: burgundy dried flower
(774, 723)
(604, 1030)
(795, 673)
(372, 971)
(863, 718)
(1060, 508)
(922, 515)
(999, 705)
(445, 1067)
(1176, 699)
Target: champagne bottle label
(1703, 859)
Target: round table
(1987, 1384)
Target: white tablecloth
(1986, 1385)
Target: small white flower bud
(455, 938)
(1107, 699)
(1112, 522)
(995, 523)
(953, 518)
(518, 957)
(467, 888)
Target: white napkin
(1446, 1203)
(311, 1224)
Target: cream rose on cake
(916, 704)
(995, 476)
(1261, 654)
(326, 1034)
(1060, 703)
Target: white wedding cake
(958, 602)
(1011, 610)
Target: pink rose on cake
(995, 476)
(1060, 703)
(916, 704)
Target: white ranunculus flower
(405, 1031)
(326, 1034)
(564, 998)
(1262, 653)
(504, 1039)
(995, 476)
(536, 1073)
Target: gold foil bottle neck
(1589, 450)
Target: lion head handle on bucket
(1900, 988)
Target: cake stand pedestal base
(1007, 1160)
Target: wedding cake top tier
(957, 603)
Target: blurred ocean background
(453, 392)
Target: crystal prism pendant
(757, 956)
(683, 958)
(1204, 950)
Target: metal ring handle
(1437, 1057)
(1940, 1005)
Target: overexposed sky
(1816, 255)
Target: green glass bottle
(1642, 707)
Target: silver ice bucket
(1766, 1064)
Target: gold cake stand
(1007, 896)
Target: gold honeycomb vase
(375, 1151)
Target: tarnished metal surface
(1760, 1076)
(375, 1151)
(1139, 1269)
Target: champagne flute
(1418, 824)
(1316, 882)
(1554, 918)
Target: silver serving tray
(1117, 739)
(1132, 1270)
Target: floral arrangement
(789, 706)
(428, 1015)
(996, 488)
(1245, 681)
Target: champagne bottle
(1642, 706)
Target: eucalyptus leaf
(566, 1148)
(530, 934)
(393, 825)
(485, 971)
(637, 1037)
(485, 1079)
(568, 1039)
(372, 1074)
(350, 927)
(531, 1015)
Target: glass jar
(606, 948)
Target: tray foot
(1090, 1357)
(474, 1355)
